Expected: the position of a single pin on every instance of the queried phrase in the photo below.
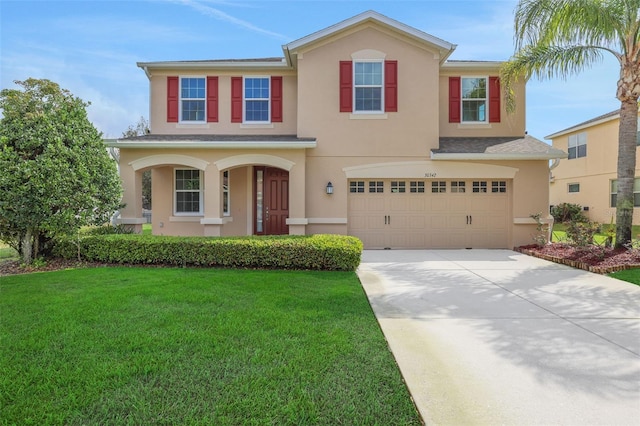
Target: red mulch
(592, 258)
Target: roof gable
(443, 47)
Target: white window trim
(175, 192)
(244, 100)
(486, 100)
(378, 113)
(190, 122)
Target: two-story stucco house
(589, 175)
(363, 128)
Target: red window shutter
(494, 100)
(454, 99)
(391, 86)
(212, 99)
(276, 99)
(236, 99)
(173, 99)
(346, 86)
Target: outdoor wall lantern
(329, 188)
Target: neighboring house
(363, 128)
(588, 176)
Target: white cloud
(222, 16)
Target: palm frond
(546, 62)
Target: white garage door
(430, 214)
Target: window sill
(474, 126)
(194, 125)
(256, 126)
(180, 218)
(364, 116)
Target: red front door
(271, 201)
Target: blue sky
(91, 47)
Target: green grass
(194, 346)
(146, 229)
(559, 233)
(629, 275)
(7, 252)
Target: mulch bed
(14, 267)
(596, 259)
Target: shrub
(567, 212)
(580, 234)
(318, 252)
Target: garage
(415, 214)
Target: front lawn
(194, 346)
(629, 275)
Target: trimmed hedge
(318, 252)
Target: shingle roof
(526, 147)
(609, 115)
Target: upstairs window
(474, 99)
(368, 86)
(192, 99)
(256, 99)
(577, 146)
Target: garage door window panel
(356, 187)
(376, 186)
(416, 187)
(438, 187)
(458, 187)
(398, 187)
(499, 186)
(479, 186)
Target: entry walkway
(489, 337)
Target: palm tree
(559, 38)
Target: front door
(271, 201)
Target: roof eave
(472, 65)
(444, 47)
(582, 126)
(118, 143)
(186, 65)
(485, 156)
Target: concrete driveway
(492, 337)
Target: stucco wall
(594, 172)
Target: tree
(141, 128)
(559, 38)
(56, 173)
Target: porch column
(297, 198)
(131, 214)
(212, 220)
